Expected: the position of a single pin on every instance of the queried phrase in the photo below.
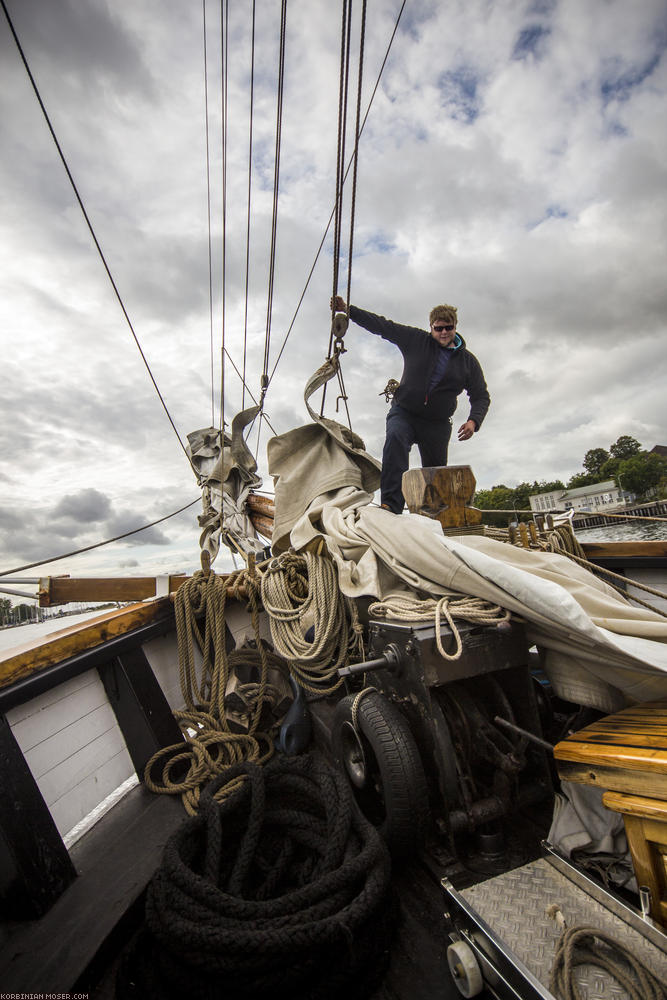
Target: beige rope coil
(470, 609)
(593, 946)
(300, 592)
(209, 746)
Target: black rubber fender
(389, 782)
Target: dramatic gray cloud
(514, 163)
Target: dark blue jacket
(420, 350)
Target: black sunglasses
(448, 327)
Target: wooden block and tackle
(626, 754)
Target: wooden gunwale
(23, 661)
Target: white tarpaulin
(599, 650)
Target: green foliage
(512, 499)
(641, 473)
(633, 469)
(625, 447)
(610, 468)
(594, 459)
(582, 479)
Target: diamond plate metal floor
(514, 905)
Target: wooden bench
(626, 754)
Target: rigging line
(97, 545)
(328, 225)
(343, 89)
(362, 37)
(89, 224)
(246, 386)
(224, 38)
(340, 150)
(247, 243)
(276, 186)
(208, 207)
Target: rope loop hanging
(210, 746)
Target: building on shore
(595, 498)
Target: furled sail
(226, 471)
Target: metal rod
(18, 593)
(524, 732)
(391, 659)
(360, 668)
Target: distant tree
(545, 486)
(5, 610)
(582, 479)
(497, 498)
(23, 612)
(521, 496)
(641, 474)
(594, 459)
(625, 447)
(610, 468)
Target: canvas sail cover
(598, 649)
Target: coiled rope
(280, 889)
(210, 746)
(470, 609)
(313, 624)
(592, 946)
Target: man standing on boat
(437, 367)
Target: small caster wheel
(465, 969)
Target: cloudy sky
(514, 163)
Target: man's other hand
(467, 430)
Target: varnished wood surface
(645, 822)
(22, 661)
(56, 590)
(635, 805)
(602, 550)
(261, 505)
(624, 752)
(637, 735)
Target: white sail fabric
(226, 472)
(598, 649)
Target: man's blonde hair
(445, 313)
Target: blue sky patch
(459, 93)
(530, 42)
(619, 84)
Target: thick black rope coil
(280, 889)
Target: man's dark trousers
(403, 430)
